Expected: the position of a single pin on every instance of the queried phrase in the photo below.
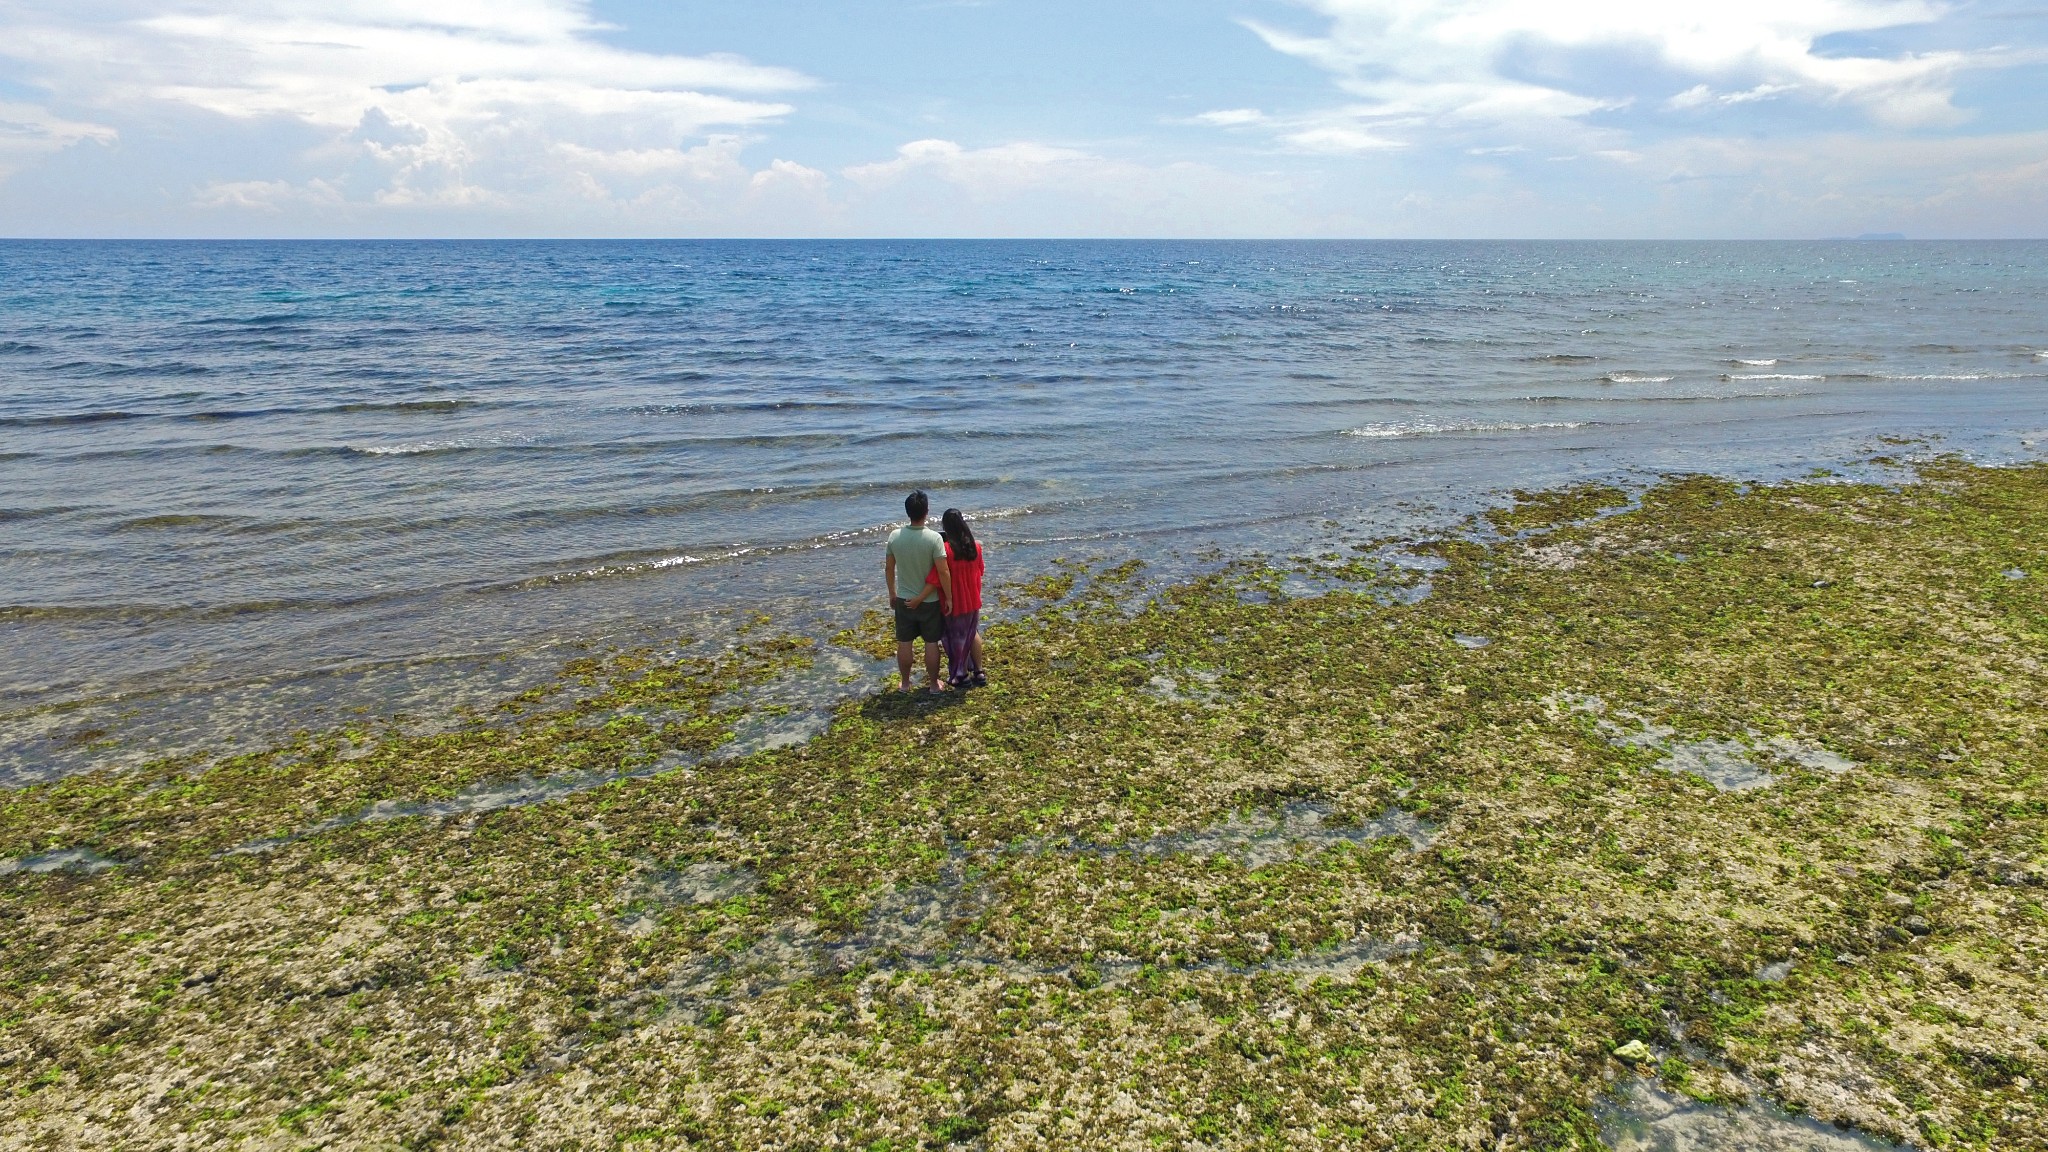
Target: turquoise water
(286, 473)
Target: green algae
(918, 929)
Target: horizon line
(1864, 238)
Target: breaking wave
(1399, 429)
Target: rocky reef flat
(1708, 816)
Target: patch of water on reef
(1312, 583)
(1410, 572)
(705, 882)
(59, 860)
(929, 927)
(918, 927)
(1729, 765)
(133, 729)
(1464, 641)
(474, 800)
(2015, 574)
(1648, 1119)
(1774, 973)
(1170, 690)
(1723, 763)
(1344, 960)
(794, 708)
(1273, 836)
(787, 711)
(1809, 755)
(1388, 575)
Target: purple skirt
(960, 663)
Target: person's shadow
(893, 705)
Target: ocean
(247, 487)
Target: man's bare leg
(932, 652)
(903, 652)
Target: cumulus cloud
(444, 103)
(1465, 65)
(789, 175)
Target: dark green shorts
(921, 622)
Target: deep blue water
(245, 466)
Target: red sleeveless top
(966, 581)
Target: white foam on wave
(1756, 363)
(428, 447)
(1772, 376)
(636, 568)
(1965, 376)
(1403, 428)
(1001, 513)
(1634, 378)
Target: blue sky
(1003, 117)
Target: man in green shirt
(915, 552)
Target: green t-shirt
(916, 550)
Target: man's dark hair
(918, 505)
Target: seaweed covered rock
(1731, 792)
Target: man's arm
(946, 578)
(889, 573)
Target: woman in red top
(963, 610)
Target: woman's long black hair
(953, 526)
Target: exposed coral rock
(1204, 869)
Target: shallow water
(1648, 1119)
(788, 710)
(1725, 764)
(59, 860)
(1273, 836)
(241, 483)
(1730, 765)
(926, 927)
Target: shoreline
(1700, 774)
(208, 701)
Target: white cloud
(1033, 188)
(788, 174)
(716, 159)
(1338, 137)
(1700, 95)
(1232, 117)
(984, 170)
(450, 103)
(29, 132)
(271, 196)
(1452, 65)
